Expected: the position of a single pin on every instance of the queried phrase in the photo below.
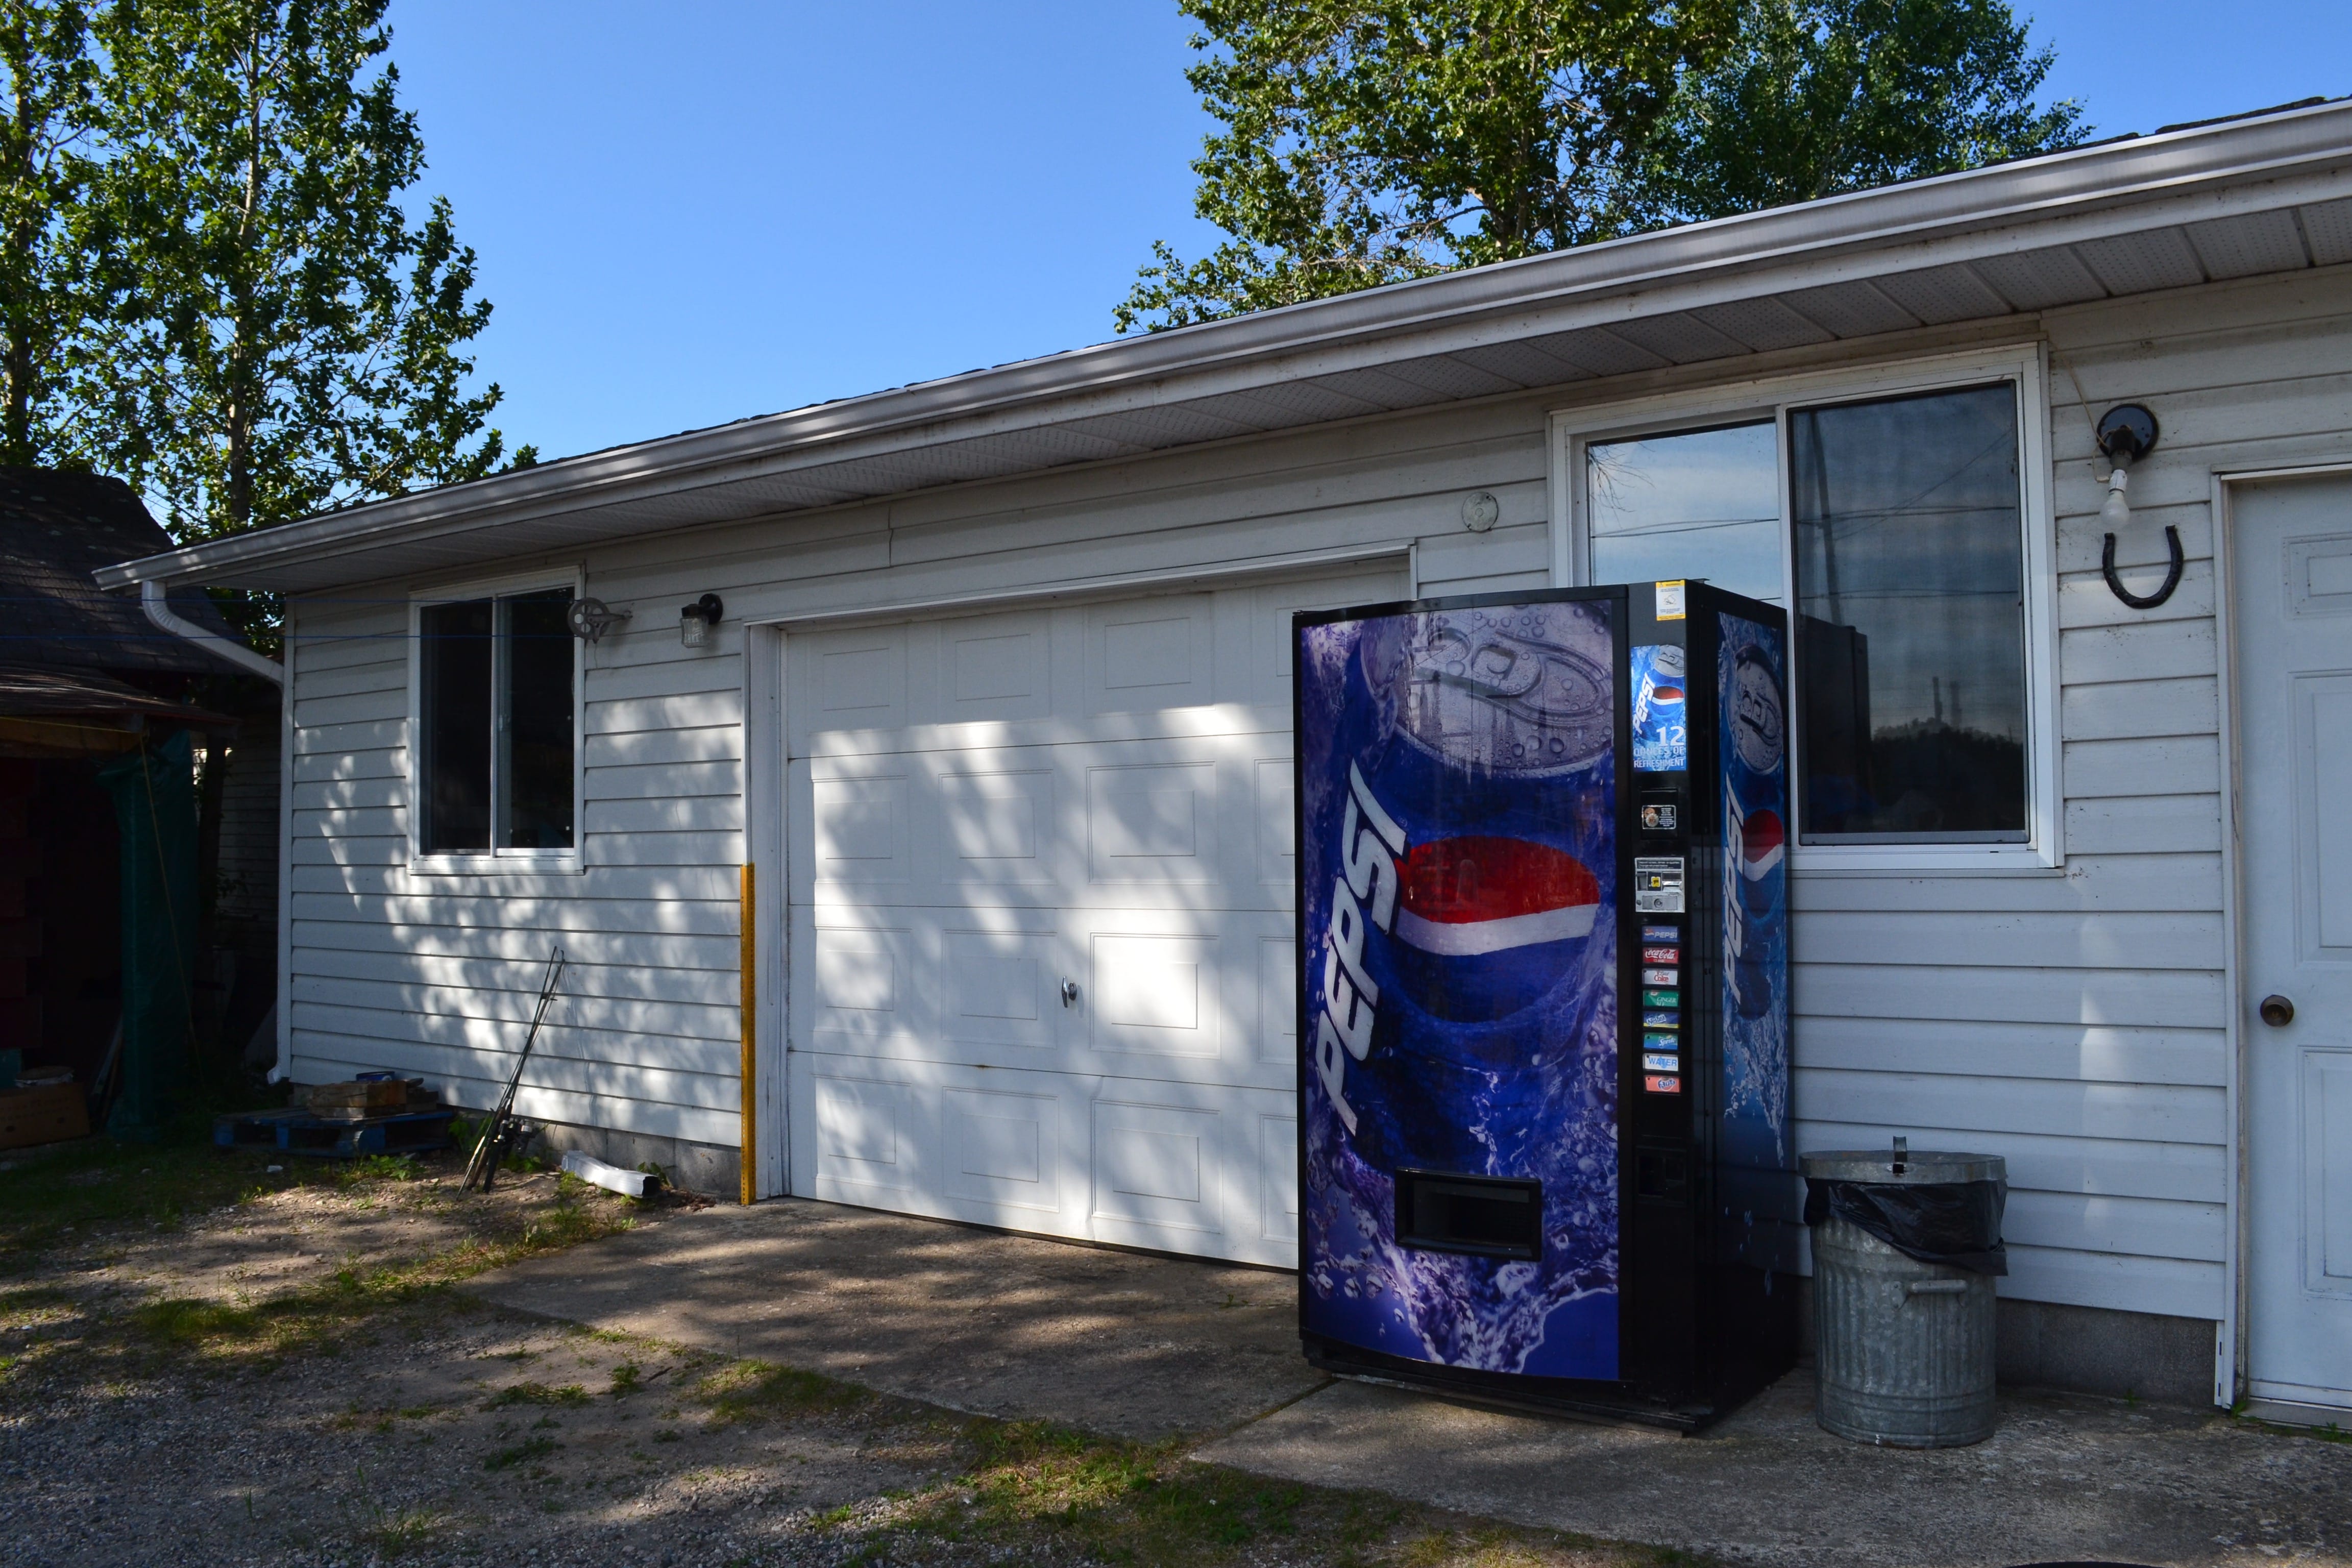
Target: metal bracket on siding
(2143, 601)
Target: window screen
(1910, 575)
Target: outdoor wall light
(697, 621)
(2126, 434)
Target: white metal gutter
(158, 610)
(2198, 174)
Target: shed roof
(56, 530)
(2268, 192)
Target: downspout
(158, 610)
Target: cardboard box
(52, 1114)
(375, 1096)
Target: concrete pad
(998, 1324)
(2063, 1479)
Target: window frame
(494, 861)
(2026, 368)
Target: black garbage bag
(1953, 1223)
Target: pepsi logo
(1479, 895)
(1763, 841)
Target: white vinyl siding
(2071, 1019)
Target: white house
(996, 712)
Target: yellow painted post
(750, 999)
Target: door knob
(2277, 1011)
(1070, 993)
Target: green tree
(1369, 141)
(1363, 142)
(1822, 97)
(291, 339)
(46, 281)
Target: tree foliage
(295, 342)
(1364, 141)
(214, 285)
(1823, 96)
(46, 287)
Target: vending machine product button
(1660, 1061)
(1662, 998)
(1661, 955)
(1660, 977)
(1661, 1019)
(1662, 933)
(1660, 1041)
(1657, 1085)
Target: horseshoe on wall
(2143, 601)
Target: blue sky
(693, 213)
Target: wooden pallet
(300, 1132)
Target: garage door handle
(1070, 993)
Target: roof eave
(2078, 184)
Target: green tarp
(155, 806)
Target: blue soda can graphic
(1660, 739)
(1457, 870)
(1754, 778)
(1756, 832)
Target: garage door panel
(1153, 822)
(994, 822)
(859, 827)
(1155, 994)
(1267, 634)
(864, 985)
(872, 1137)
(1000, 986)
(1274, 822)
(1159, 1165)
(847, 680)
(1004, 1150)
(1274, 1040)
(993, 669)
(1146, 654)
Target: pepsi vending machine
(1546, 1154)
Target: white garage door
(1040, 930)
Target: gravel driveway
(286, 1377)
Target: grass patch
(536, 1394)
(521, 1453)
(104, 1186)
(327, 1313)
(1034, 1490)
(756, 1390)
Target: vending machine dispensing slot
(1542, 934)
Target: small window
(1697, 503)
(497, 705)
(1910, 597)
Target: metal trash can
(1905, 1249)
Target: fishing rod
(506, 1134)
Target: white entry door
(2291, 565)
(1040, 935)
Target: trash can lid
(1918, 1166)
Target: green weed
(528, 1449)
(536, 1394)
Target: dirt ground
(203, 1361)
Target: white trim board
(1093, 587)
